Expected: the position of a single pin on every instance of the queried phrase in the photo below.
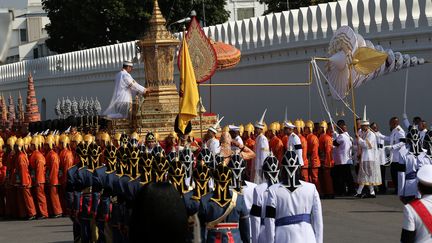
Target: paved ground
(346, 220)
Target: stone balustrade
(294, 28)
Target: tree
(274, 6)
(77, 25)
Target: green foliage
(82, 24)
(274, 6)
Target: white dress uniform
(257, 223)
(214, 146)
(408, 180)
(413, 222)
(247, 192)
(369, 170)
(298, 215)
(125, 88)
(381, 157)
(294, 144)
(262, 151)
(394, 142)
(239, 140)
(342, 153)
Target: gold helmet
(64, 140)
(77, 138)
(19, 143)
(50, 140)
(1, 142)
(135, 136)
(274, 126)
(41, 139)
(57, 139)
(241, 130)
(309, 124)
(88, 138)
(299, 124)
(225, 129)
(117, 136)
(324, 125)
(249, 128)
(11, 141)
(105, 137)
(36, 141)
(27, 141)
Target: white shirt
(408, 186)
(214, 146)
(262, 151)
(294, 144)
(304, 200)
(413, 222)
(342, 152)
(247, 192)
(395, 143)
(239, 140)
(259, 199)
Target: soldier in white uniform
(381, 155)
(293, 208)
(294, 142)
(417, 226)
(234, 131)
(125, 88)
(257, 214)
(212, 142)
(262, 149)
(394, 140)
(411, 159)
(343, 179)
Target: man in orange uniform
(52, 177)
(37, 171)
(11, 209)
(66, 161)
(326, 157)
(312, 154)
(276, 145)
(24, 182)
(298, 130)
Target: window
(245, 13)
(23, 35)
(35, 53)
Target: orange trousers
(26, 205)
(305, 174)
(40, 200)
(54, 205)
(326, 181)
(313, 178)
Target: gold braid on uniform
(176, 175)
(201, 176)
(222, 176)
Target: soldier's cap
(424, 175)
(128, 63)
(234, 128)
(150, 137)
(289, 125)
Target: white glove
(404, 116)
(388, 147)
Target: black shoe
(31, 218)
(56, 216)
(41, 217)
(358, 195)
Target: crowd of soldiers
(233, 181)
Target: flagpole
(200, 111)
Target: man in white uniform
(125, 88)
(212, 142)
(294, 142)
(293, 208)
(262, 149)
(381, 156)
(343, 179)
(234, 131)
(257, 213)
(417, 226)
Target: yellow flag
(189, 89)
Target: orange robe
(53, 182)
(66, 161)
(276, 146)
(11, 209)
(313, 158)
(24, 182)
(327, 162)
(305, 167)
(285, 139)
(37, 171)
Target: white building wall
(233, 7)
(275, 49)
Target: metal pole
(204, 18)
